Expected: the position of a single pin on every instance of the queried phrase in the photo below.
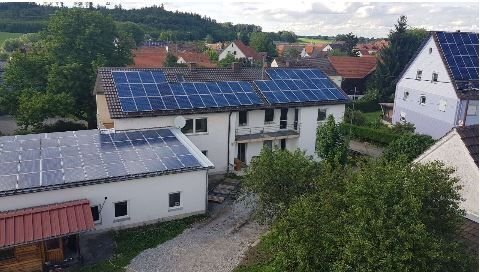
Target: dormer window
(419, 75)
(434, 77)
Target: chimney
(191, 66)
(236, 67)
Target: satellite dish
(179, 122)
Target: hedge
(365, 106)
(378, 136)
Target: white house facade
(239, 51)
(459, 149)
(440, 85)
(230, 134)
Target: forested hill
(156, 21)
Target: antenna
(179, 122)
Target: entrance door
(283, 118)
(295, 120)
(242, 148)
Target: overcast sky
(307, 17)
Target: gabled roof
(353, 67)
(199, 59)
(41, 223)
(197, 75)
(469, 136)
(149, 57)
(321, 63)
(247, 50)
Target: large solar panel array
(298, 85)
(39, 160)
(461, 52)
(149, 91)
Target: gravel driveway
(215, 245)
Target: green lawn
(309, 40)
(130, 242)
(372, 117)
(8, 35)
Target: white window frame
(246, 119)
(175, 208)
(265, 115)
(268, 145)
(442, 105)
(424, 102)
(194, 131)
(434, 77)
(419, 75)
(123, 217)
(326, 115)
(470, 105)
(405, 95)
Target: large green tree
(408, 147)
(383, 217)
(331, 145)
(62, 66)
(262, 42)
(404, 42)
(351, 41)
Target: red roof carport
(44, 222)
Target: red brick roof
(200, 59)
(247, 51)
(44, 222)
(149, 57)
(353, 67)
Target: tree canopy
(61, 67)
(351, 41)
(404, 42)
(262, 42)
(408, 147)
(331, 145)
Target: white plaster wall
(230, 49)
(214, 141)
(147, 198)
(452, 151)
(423, 115)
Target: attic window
(423, 100)
(434, 77)
(405, 95)
(419, 75)
(430, 50)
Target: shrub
(354, 117)
(403, 128)
(378, 136)
(408, 147)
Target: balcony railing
(282, 130)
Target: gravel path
(215, 245)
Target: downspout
(228, 142)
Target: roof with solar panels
(50, 161)
(134, 92)
(459, 52)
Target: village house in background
(230, 113)
(372, 48)
(154, 55)
(355, 72)
(440, 84)
(240, 51)
(459, 149)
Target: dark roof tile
(469, 136)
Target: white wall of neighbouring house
(441, 99)
(214, 141)
(147, 198)
(452, 151)
(232, 49)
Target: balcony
(267, 132)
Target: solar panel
(88, 156)
(298, 85)
(461, 53)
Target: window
(188, 128)
(52, 244)
(434, 77)
(6, 254)
(472, 109)
(95, 213)
(403, 120)
(419, 75)
(234, 52)
(405, 95)
(268, 144)
(269, 114)
(423, 100)
(205, 152)
(322, 115)
(430, 50)
(121, 209)
(201, 125)
(195, 125)
(242, 118)
(442, 105)
(174, 200)
(283, 144)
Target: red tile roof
(44, 222)
(149, 57)
(200, 59)
(353, 67)
(247, 51)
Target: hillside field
(310, 40)
(8, 35)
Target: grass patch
(8, 35)
(130, 242)
(310, 40)
(372, 117)
(257, 259)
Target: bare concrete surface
(217, 244)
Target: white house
(240, 51)
(54, 186)
(459, 149)
(229, 113)
(440, 84)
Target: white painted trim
(204, 161)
